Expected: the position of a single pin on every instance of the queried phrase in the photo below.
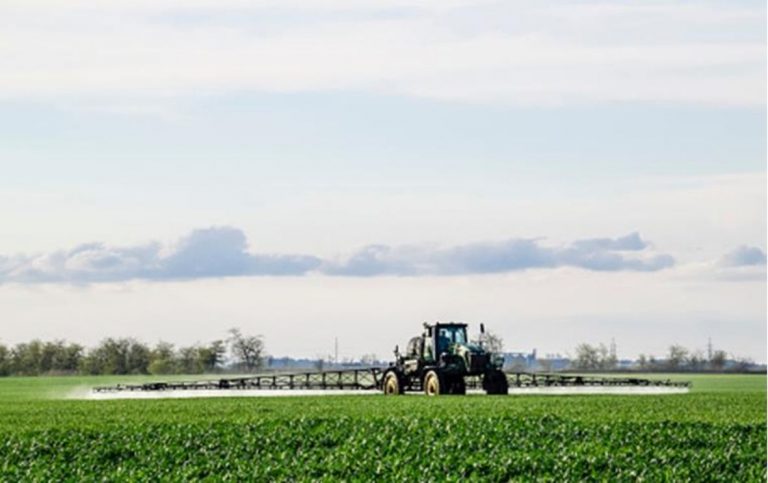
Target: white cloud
(598, 254)
(206, 253)
(741, 264)
(467, 51)
(744, 256)
(223, 252)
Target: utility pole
(709, 349)
(335, 350)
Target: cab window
(447, 336)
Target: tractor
(438, 361)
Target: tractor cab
(443, 337)
(436, 339)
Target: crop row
(396, 447)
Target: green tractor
(438, 361)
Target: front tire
(434, 385)
(393, 385)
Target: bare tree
(247, 349)
(587, 357)
(492, 342)
(607, 358)
(602, 356)
(677, 356)
(696, 360)
(717, 363)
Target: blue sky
(332, 136)
(504, 147)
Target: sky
(563, 172)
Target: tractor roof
(445, 324)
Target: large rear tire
(495, 383)
(393, 384)
(434, 384)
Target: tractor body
(438, 361)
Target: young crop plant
(701, 436)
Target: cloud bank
(599, 254)
(223, 252)
(211, 252)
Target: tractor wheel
(393, 385)
(434, 385)
(496, 383)
(457, 387)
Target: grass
(35, 388)
(711, 382)
(717, 432)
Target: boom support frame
(371, 379)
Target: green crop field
(715, 433)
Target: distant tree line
(594, 357)
(239, 352)
(678, 358)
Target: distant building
(291, 363)
(520, 361)
(553, 364)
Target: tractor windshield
(447, 336)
